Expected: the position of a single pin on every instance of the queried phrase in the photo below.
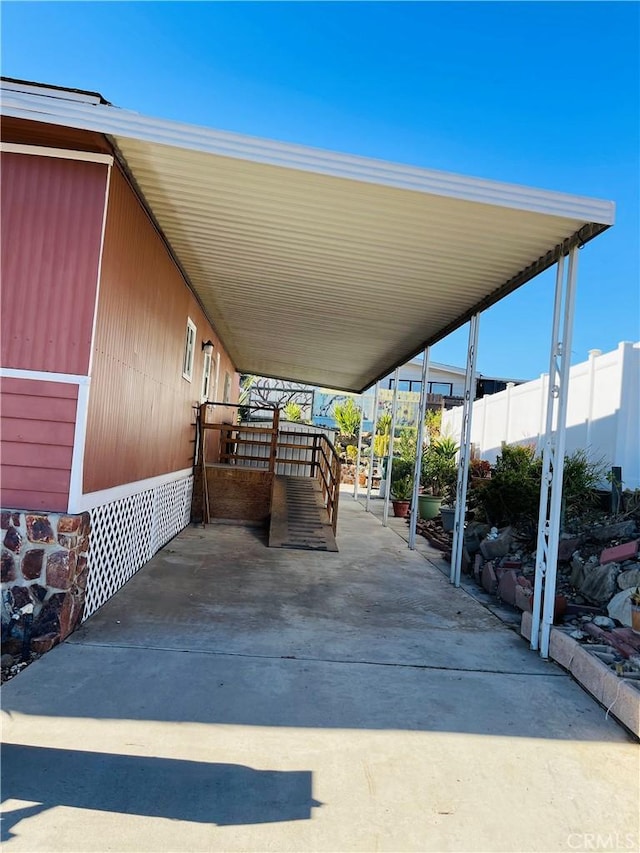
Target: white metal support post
(553, 456)
(394, 409)
(356, 481)
(413, 521)
(465, 452)
(373, 435)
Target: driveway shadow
(221, 794)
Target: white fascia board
(51, 92)
(127, 124)
(58, 153)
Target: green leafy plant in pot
(401, 490)
(438, 476)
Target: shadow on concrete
(221, 794)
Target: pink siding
(38, 423)
(50, 226)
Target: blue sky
(545, 94)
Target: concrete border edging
(619, 698)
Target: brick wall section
(44, 564)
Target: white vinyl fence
(603, 415)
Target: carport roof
(319, 267)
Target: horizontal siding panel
(54, 480)
(36, 449)
(34, 455)
(51, 225)
(38, 500)
(36, 432)
(38, 388)
(33, 408)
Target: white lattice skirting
(126, 533)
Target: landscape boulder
(599, 584)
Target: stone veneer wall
(44, 564)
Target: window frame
(206, 377)
(189, 350)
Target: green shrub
(351, 452)
(347, 417)
(406, 444)
(439, 471)
(383, 426)
(402, 489)
(292, 412)
(581, 480)
(401, 468)
(512, 494)
(380, 445)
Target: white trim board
(43, 376)
(93, 499)
(99, 272)
(59, 153)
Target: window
(227, 388)
(189, 350)
(443, 388)
(206, 378)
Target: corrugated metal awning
(324, 268)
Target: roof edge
(104, 118)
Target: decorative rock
(492, 549)
(567, 547)
(58, 570)
(44, 642)
(81, 572)
(32, 564)
(7, 567)
(48, 620)
(71, 612)
(69, 523)
(6, 661)
(39, 593)
(619, 553)
(619, 530)
(477, 567)
(67, 541)
(604, 622)
(21, 596)
(39, 529)
(507, 587)
(629, 578)
(13, 540)
(523, 598)
(5, 518)
(619, 608)
(599, 585)
(474, 532)
(489, 580)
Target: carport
(271, 236)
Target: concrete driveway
(237, 698)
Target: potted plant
(401, 490)
(438, 476)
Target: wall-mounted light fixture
(207, 347)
